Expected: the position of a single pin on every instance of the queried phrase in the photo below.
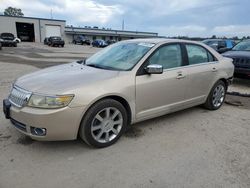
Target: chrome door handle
(180, 75)
(214, 69)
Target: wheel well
(225, 82)
(120, 100)
(124, 103)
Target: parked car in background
(123, 84)
(0, 44)
(8, 39)
(46, 41)
(56, 41)
(241, 58)
(17, 40)
(99, 43)
(109, 42)
(220, 45)
(80, 39)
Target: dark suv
(220, 45)
(8, 39)
(56, 41)
(79, 39)
(241, 58)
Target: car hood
(237, 54)
(63, 78)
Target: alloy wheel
(106, 125)
(218, 95)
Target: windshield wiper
(95, 66)
(102, 67)
(81, 61)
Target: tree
(12, 11)
(214, 37)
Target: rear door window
(197, 54)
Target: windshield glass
(56, 38)
(120, 56)
(242, 46)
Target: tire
(214, 102)
(96, 127)
(62, 45)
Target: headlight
(40, 101)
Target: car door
(158, 94)
(201, 71)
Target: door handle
(180, 75)
(214, 69)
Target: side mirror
(154, 69)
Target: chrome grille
(238, 62)
(19, 97)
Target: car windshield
(7, 35)
(56, 38)
(121, 56)
(242, 46)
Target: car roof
(162, 40)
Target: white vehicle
(17, 40)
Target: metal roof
(20, 17)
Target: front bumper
(59, 124)
(58, 43)
(242, 71)
(8, 42)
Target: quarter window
(198, 54)
(168, 56)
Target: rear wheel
(216, 96)
(104, 123)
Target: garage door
(53, 30)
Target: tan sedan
(122, 84)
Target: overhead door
(53, 30)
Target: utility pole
(123, 24)
(51, 14)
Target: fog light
(38, 131)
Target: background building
(105, 34)
(36, 29)
(32, 29)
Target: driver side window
(168, 56)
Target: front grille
(241, 62)
(19, 97)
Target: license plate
(6, 108)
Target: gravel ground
(193, 148)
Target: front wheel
(104, 123)
(216, 96)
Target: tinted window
(222, 44)
(168, 56)
(242, 46)
(198, 54)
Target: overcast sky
(202, 18)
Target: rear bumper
(230, 81)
